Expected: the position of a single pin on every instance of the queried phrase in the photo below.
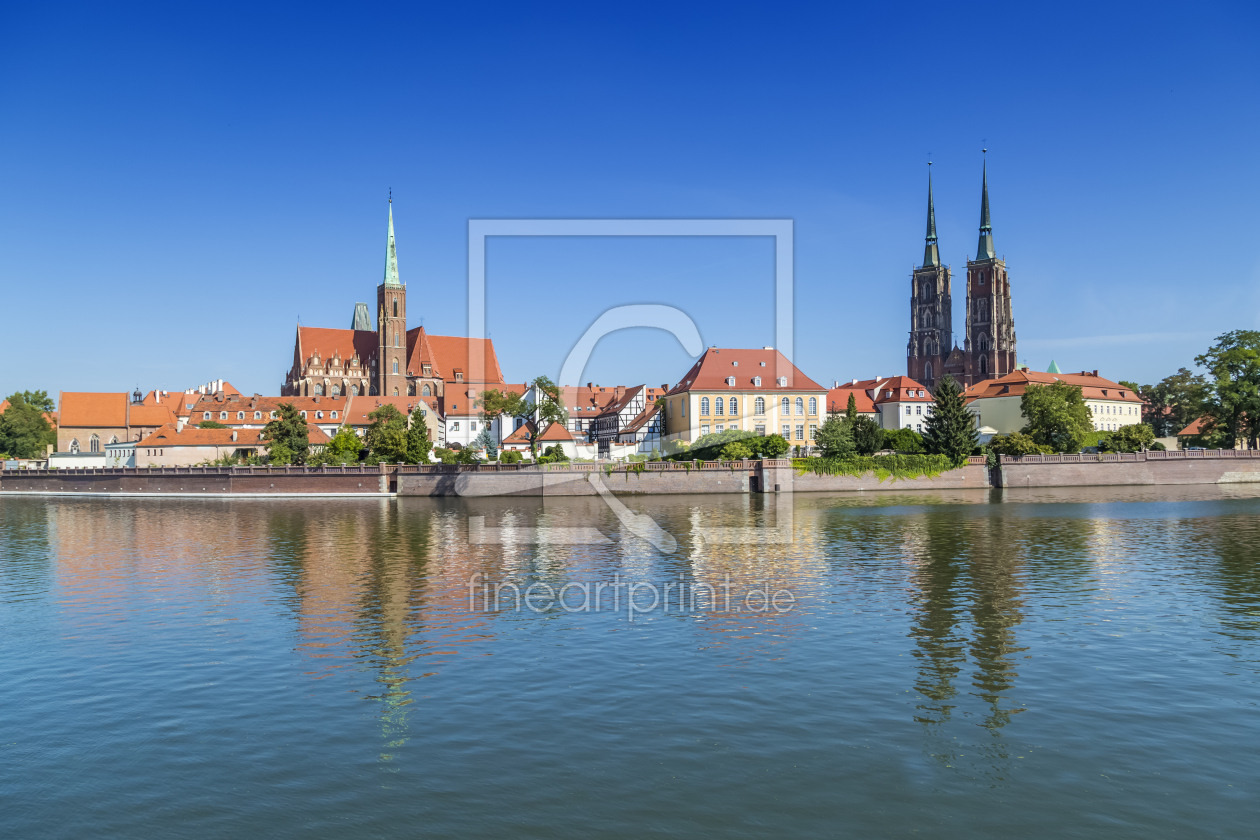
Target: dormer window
(730, 380)
(257, 415)
(757, 381)
(303, 413)
(782, 381)
(319, 415)
(459, 376)
(735, 364)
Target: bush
(835, 437)
(210, 424)
(868, 437)
(1132, 438)
(735, 451)
(905, 441)
(896, 467)
(510, 457)
(553, 455)
(1017, 443)
(1157, 447)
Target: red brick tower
(391, 324)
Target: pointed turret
(931, 254)
(984, 250)
(391, 256)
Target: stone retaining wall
(1174, 467)
(242, 480)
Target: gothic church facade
(988, 349)
(390, 360)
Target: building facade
(996, 402)
(989, 344)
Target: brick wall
(243, 480)
(1173, 467)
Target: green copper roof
(984, 250)
(1053, 368)
(391, 255)
(931, 254)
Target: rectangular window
(719, 428)
(800, 431)
(918, 409)
(761, 431)
(472, 426)
(455, 426)
(907, 411)
(704, 430)
(787, 432)
(813, 431)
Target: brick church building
(988, 350)
(391, 360)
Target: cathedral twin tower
(988, 350)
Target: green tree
(345, 446)
(287, 437)
(485, 442)
(24, 430)
(735, 451)
(386, 437)
(418, 442)
(835, 437)
(774, 446)
(1057, 416)
(1132, 438)
(1233, 401)
(1017, 443)
(950, 429)
(544, 411)
(1174, 402)
(850, 411)
(210, 424)
(868, 437)
(905, 441)
(495, 404)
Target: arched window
(114, 439)
(759, 405)
(74, 446)
(428, 392)
(94, 444)
(927, 371)
(704, 405)
(787, 406)
(395, 370)
(984, 342)
(800, 406)
(395, 392)
(336, 390)
(411, 389)
(240, 415)
(222, 415)
(720, 407)
(319, 390)
(984, 365)
(734, 406)
(395, 339)
(813, 405)
(395, 315)
(257, 415)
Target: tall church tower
(391, 324)
(990, 335)
(931, 310)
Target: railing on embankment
(1182, 466)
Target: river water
(1044, 663)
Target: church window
(800, 406)
(319, 390)
(984, 365)
(395, 315)
(94, 444)
(759, 405)
(733, 405)
(395, 392)
(74, 446)
(113, 439)
(981, 279)
(428, 392)
(395, 371)
(336, 391)
(927, 371)
(704, 406)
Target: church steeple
(984, 249)
(931, 254)
(391, 255)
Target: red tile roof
(711, 370)
(1195, 428)
(555, 432)
(88, 409)
(447, 354)
(521, 435)
(344, 343)
(360, 407)
(1093, 386)
(191, 436)
(903, 388)
(838, 399)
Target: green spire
(391, 255)
(1053, 368)
(984, 250)
(931, 254)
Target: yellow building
(995, 402)
(757, 391)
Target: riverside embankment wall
(1190, 466)
(661, 478)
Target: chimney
(1095, 373)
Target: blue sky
(179, 185)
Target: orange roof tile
(1013, 384)
(192, 436)
(521, 434)
(89, 409)
(710, 372)
(360, 407)
(555, 432)
(343, 343)
(1195, 428)
(838, 399)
